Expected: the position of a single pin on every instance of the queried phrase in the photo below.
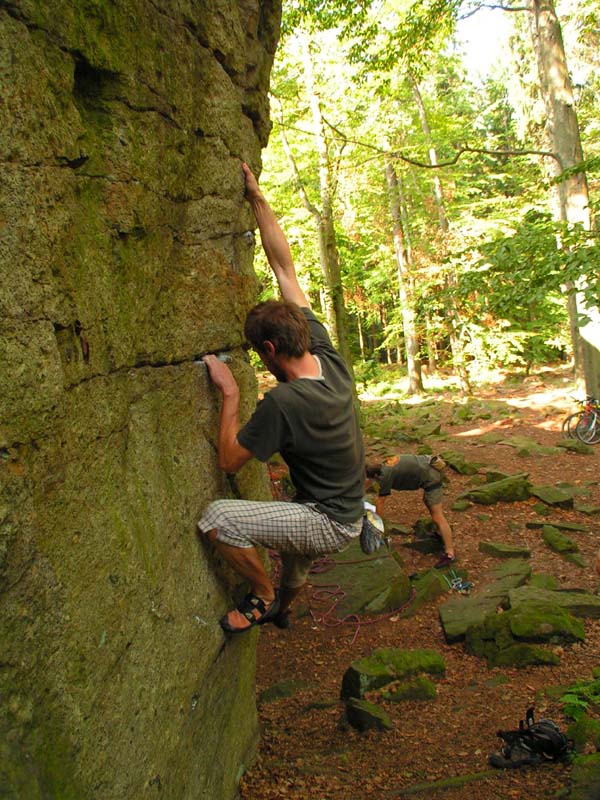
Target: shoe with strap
(252, 611)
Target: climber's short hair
(373, 469)
(279, 322)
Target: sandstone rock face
(125, 253)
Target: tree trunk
(411, 339)
(458, 354)
(328, 252)
(572, 201)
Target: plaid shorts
(297, 531)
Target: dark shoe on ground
(282, 620)
(445, 561)
(252, 611)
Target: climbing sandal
(252, 611)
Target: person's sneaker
(445, 561)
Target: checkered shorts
(297, 531)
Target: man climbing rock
(410, 473)
(310, 419)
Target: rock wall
(124, 255)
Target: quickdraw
(458, 584)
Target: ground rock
(504, 550)
(368, 584)
(580, 604)
(386, 665)
(457, 461)
(559, 524)
(553, 496)
(459, 614)
(418, 688)
(557, 541)
(514, 488)
(364, 716)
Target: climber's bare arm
(274, 242)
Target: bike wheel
(569, 425)
(587, 429)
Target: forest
(442, 221)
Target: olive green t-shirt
(312, 422)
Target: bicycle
(569, 426)
(587, 429)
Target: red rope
(335, 592)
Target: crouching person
(411, 473)
(310, 419)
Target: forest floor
(308, 750)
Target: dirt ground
(307, 748)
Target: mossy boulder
(511, 489)
(386, 665)
(365, 716)
(504, 639)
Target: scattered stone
(575, 558)
(365, 716)
(542, 510)
(589, 510)
(386, 665)
(557, 541)
(391, 597)
(419, 688)
(562, 526)
(575, 446)
(459, 464)
(553, 496)
(514, 488)
(461, 505)
(504, 550)
(580, 604)
(494, 475)
(527, 447)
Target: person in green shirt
(408, 474)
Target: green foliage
(579, 697)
